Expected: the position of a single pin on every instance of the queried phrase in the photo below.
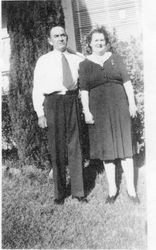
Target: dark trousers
(64, 142)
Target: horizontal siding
(124, 15)
(102, 17)
(81, 5)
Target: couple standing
(107, 100)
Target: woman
(108, 105)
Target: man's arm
(38, 94)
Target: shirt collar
(59, 52)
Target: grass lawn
(31, 220)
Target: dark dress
(110, 136)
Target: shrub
(6, 124)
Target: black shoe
(111, 199)
(134, 199)
(81, 199)
(59, 201)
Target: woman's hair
(98, 29)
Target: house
(80, 17)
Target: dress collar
(99, 59)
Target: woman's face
(98, 44)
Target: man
(55, 99)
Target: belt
(72, 92)
(68, 92)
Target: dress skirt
(110, 136)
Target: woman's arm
(85, 104)
(130, 95)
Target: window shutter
(123, 15)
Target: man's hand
(42, 122)
(88, 117)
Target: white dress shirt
(48, 76)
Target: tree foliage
(6, 121)
(28, 23)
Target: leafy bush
(6, 124)
(132, 52)
(28, 22)
(9, 150)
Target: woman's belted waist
(105, 82)
(115, 81)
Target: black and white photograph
(77, 124)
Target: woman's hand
(131, 100)
(132, 110)
(88, 117)
(86, 111)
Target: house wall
(123, 15)
(69, 23)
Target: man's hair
(51, 26)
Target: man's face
(58, 38)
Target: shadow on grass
(139, 161)
(95, 168)
(90, 173)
